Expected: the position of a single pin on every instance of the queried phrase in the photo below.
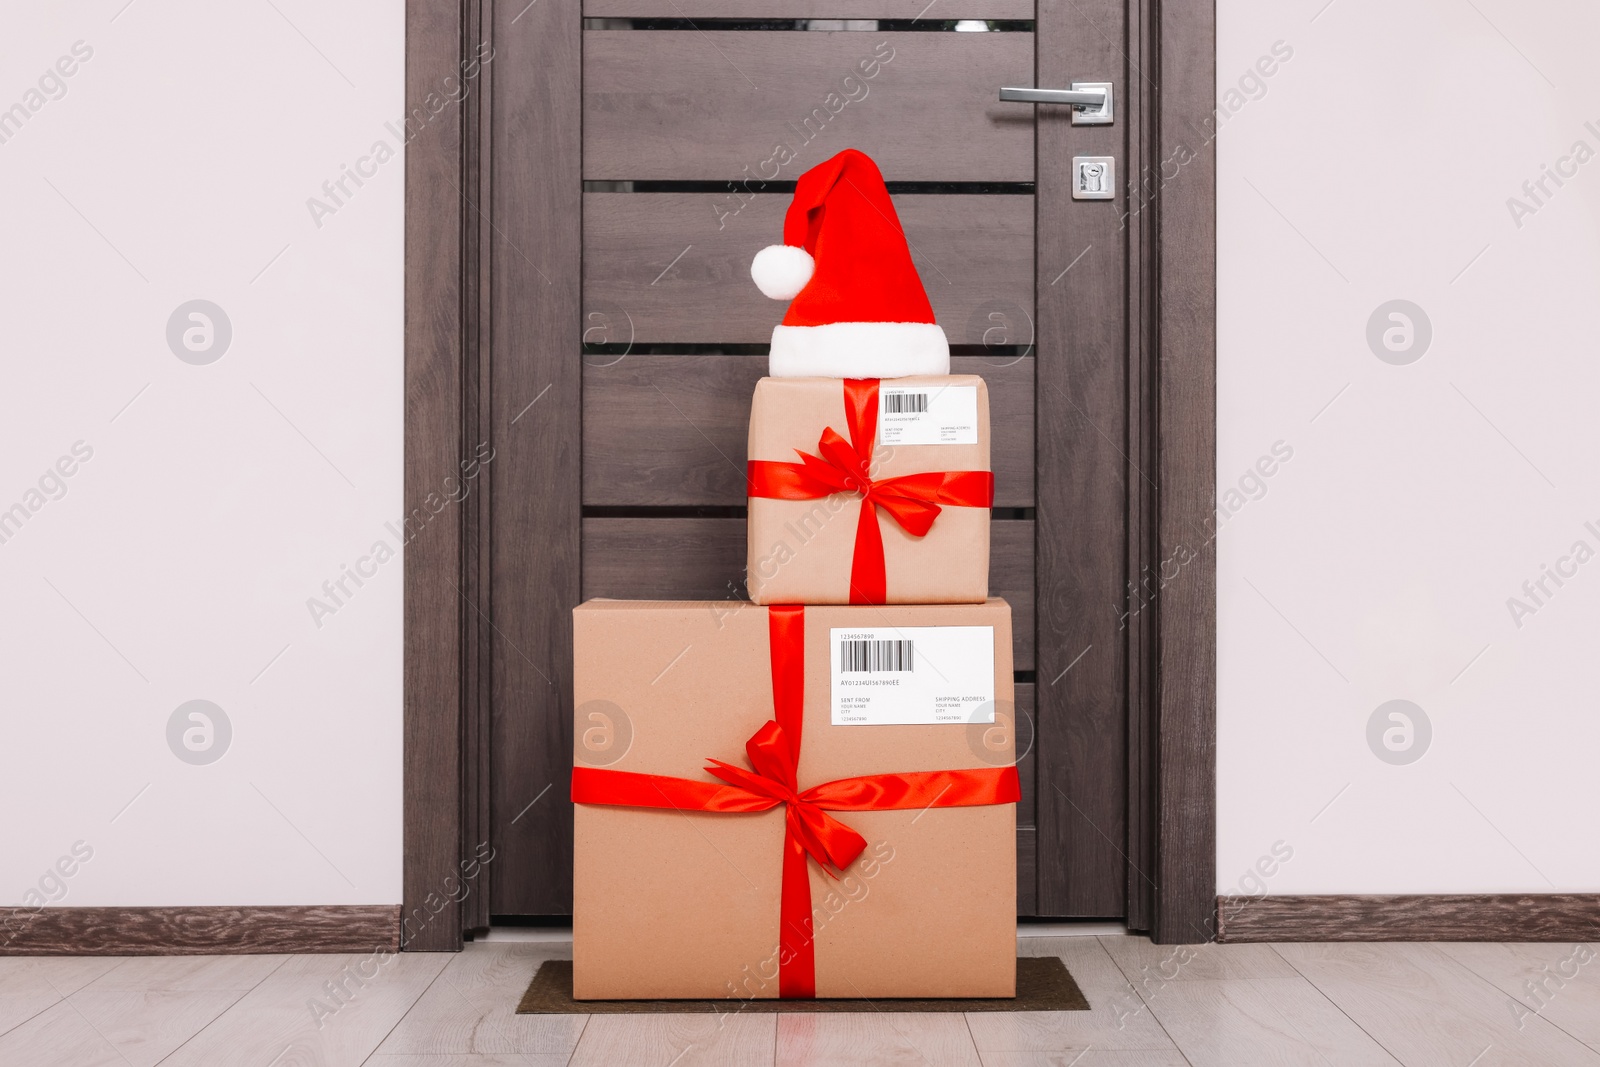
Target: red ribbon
(774, 754)
(844, 466)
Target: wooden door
(637, 153)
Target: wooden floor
(1466, 1005)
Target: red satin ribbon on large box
(912, 500)
(774, 753)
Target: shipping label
(928, 415)
(912, 675)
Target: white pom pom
(781, 271)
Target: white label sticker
(928, 415)
(912, 675)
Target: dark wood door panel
(912, 10)
(532, 399)
(1086, 480)
(735, 105)
(703, 559)
(665, 267)
(670, 431)
(1027, 835)
(608, 187)
(1024, 726)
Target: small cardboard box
(802, 546)
(670, 902)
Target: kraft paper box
(670, 901)
(806, 544)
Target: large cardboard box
(674, 902)
(805, 545)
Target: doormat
(1043, 984)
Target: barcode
(904, 403)
(877, 656)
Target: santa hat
(859, 309)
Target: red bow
(912, 500)
(774, 753)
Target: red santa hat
(858, 307)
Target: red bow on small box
(774, 754)
(912, 500)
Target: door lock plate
(1093, 116)
(1094, 177)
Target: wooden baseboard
(193, 931)
(1480, 917)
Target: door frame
(451, 249)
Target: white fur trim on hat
(781, 271)
(858, 350)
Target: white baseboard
(556, 934)
(563, 934)
(1083, 929)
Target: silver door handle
(1090, 101)
(1076, 97)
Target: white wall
(1377, 164)
(219, 497)
(1374, 164)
